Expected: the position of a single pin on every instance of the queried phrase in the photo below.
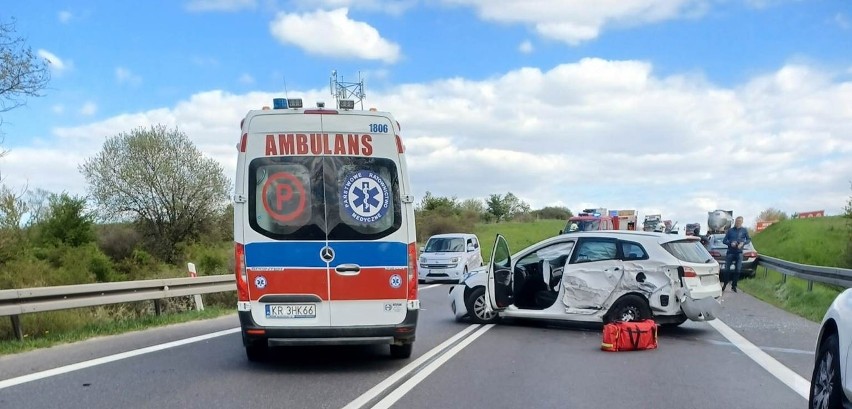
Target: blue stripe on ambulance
(307, 254)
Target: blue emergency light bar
(284, 103)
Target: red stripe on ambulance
(289, 281)
(372, 283)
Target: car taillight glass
(715, 253)
(689, 272)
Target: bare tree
(772, 215)
(23, 73)
(158, 178)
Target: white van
(449, 256)
(324, 232)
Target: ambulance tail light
(399, 146)
(412, 271)
(240, 272)
(243, 141)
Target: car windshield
(690, 251)
(445, 244)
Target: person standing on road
(735, 238)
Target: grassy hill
(519, 235)
(819, 241)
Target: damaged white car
(598, 276)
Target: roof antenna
(285, 86)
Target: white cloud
(89, 108)
(575, 21)
(246, 79)
(593, 133)
(525, 47)
(220, 5)
(125, 76)
(64, 16)
(57, 65)
(333, 34)
(394, 7)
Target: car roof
(449, 235)
(625, 235)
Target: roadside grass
(819, 241)
(518, 234)
(792, 296)
(67, 333)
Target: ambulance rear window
(319, 198)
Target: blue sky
(671, 106)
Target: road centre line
(400, 391)
(786, 375)
(111, 358)
(406, 372)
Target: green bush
(118, 240)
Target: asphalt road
(455, 365)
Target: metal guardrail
(40, 299)
(826, 275)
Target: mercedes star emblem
(327, 254)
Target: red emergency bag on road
(629, 336)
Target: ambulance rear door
(367, 221)
(285, 222)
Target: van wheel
(825, 382)
(629, 308)
(256, 353)
(475, 304)
(401, 351)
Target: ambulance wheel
(401, 351)
(631, 307)
(476, 304)
(256, 353)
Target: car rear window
(690, 251)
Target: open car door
(500, 292)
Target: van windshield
(445, 244)
(319, 198)
(583, 225)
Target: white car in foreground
(598, 276)
(830, 384)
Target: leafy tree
(772, 214)
(22, 72)
(848, 216)
(497, 207)
(473, 206)
(444, 205)
(67, 222)
(158, 178)
(553, 212)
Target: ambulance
(324, 237)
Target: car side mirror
(470, 247)
(560, 232)
(422, 248)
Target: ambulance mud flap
(703, 309)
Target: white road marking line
(790, 378)
(383, 385)
(429, 286)
(771, 349)
(111, 358)
(417, 378)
